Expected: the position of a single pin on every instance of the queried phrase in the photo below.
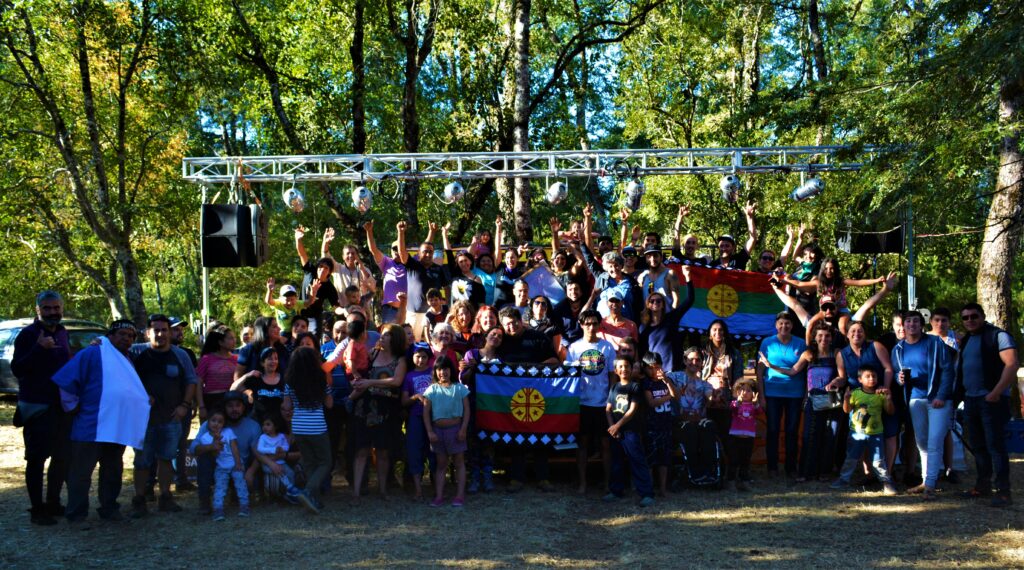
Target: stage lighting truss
(540, 164)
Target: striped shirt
(307, 419)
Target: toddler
(221, 441)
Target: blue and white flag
(543, 282)
(113, 406)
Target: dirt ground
(775, 526)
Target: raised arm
(865, 308)
(792, 303)
(588, 224)
(749, 211)
(555, 226)
(325, 244)
(300, 233)
(378, 256)
(624, 230)
(788, 248)
(432, 228)
(269, 297)
(403, 253)
(444, 237)
(684, 211)
(497, 241)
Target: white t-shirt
(267, 445)
(225, 459)
(595, 360)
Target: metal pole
(911, 278)
(206, 278)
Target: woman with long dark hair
(216, 369)
(659, 329)
(266, 334)
(722, 366)
(376, 412)
(306, 395)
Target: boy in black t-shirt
(625, 411)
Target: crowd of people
(357, 367)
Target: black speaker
(874, 242)
(233, 236)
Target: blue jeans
(930, 428)
(222, 476)
(161, 443)
(986, 429)
(417, 446)
(630, 449)
(856, 445)
(775, 409)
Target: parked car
(80, 334)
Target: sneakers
(55, 509)
(167, 504)
(438, 502)
(308, 502)
(839, 485)
(888, 489)
(243, 511)
(473, 487)
(610, 498)
(218, 515)
(647, 501)
(916, 489)
(292, 497)
(929, 494)
(205, 507)
(458, 501)
(139, 509)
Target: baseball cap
(826, 300)
(727, 237)
(288, 289)
(651, 250)
(176, 322)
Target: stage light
(293, 199)
(809, 189)
(453, 192)
(556, 193)
(362, 199)
(634, 193)
(730, 185)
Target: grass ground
(806, 526)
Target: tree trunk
(358, 81)
(1005, 217)
(817, 44)
(521, 117)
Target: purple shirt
(416, 382)
(394, 279)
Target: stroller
(702, 454)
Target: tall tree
(416, 44)
(98, 117)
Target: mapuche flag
(743, 299)
(527, 404)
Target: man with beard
(40, 350)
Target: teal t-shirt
(446, 401)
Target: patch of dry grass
(775, 526)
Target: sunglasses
(655, 301)
(970, 317)
(629, 254)
(613, 300)
(542, 303)
(828, 307)
(767, 258)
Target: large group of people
(354, 367)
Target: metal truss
(540, 164)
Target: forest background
(100, 101)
